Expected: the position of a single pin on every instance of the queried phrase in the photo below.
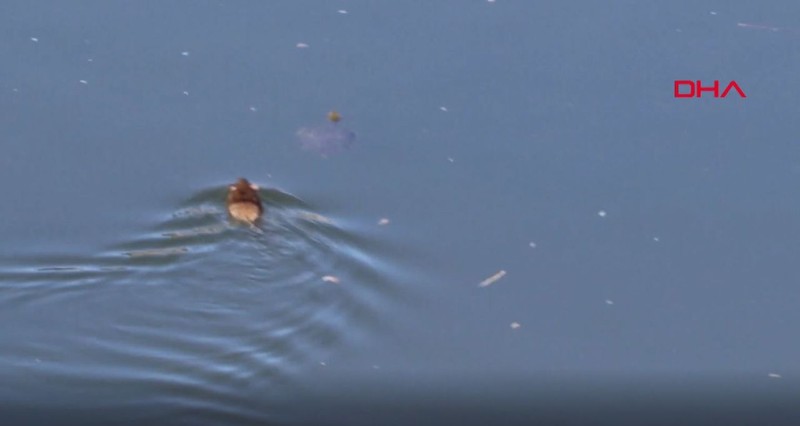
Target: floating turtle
(326, 139)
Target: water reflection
(328, 138)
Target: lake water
(630, 243)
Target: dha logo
(696, 89)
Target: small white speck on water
(713, 12)
(342, 11)
(515, 325)
(376, 367)
(322, 363)
(383, 221)
(254, 109)
(185, 53)
(601, 213)
(83, 82)
(15, 90)
(302, 45)
(656, 239)
(443, 108)
(186, 93)
(451, 159)
(34, 39)
(330, 279)
(490, 1)
(90, 60)
(491, 280)
(609, 302)
(774, 375)
(532, 244)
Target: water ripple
(201, 311)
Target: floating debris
(601, 213)
(34, 39)
(83, 82)
(532, 244)
(253, 109)
(758, 27)
(186, 93)
(515, 325)
(302, 45)
(383, 221)
(326, 139)
(443, 108)
(185, 53)
(656, 239)
(342, 11)
(774, 375)
(609, 302)
(491, 280)
(451, 159)
(330, 279)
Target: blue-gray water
(642, 236)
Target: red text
(695, 89)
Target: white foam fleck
(330, 279)
(494, 278)
(302, 45)
(83, 82)
(601, 213)
(34, 39)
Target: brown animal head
(243, 201)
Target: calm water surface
(641, 236)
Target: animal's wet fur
(243, 201)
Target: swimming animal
(243, 201)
